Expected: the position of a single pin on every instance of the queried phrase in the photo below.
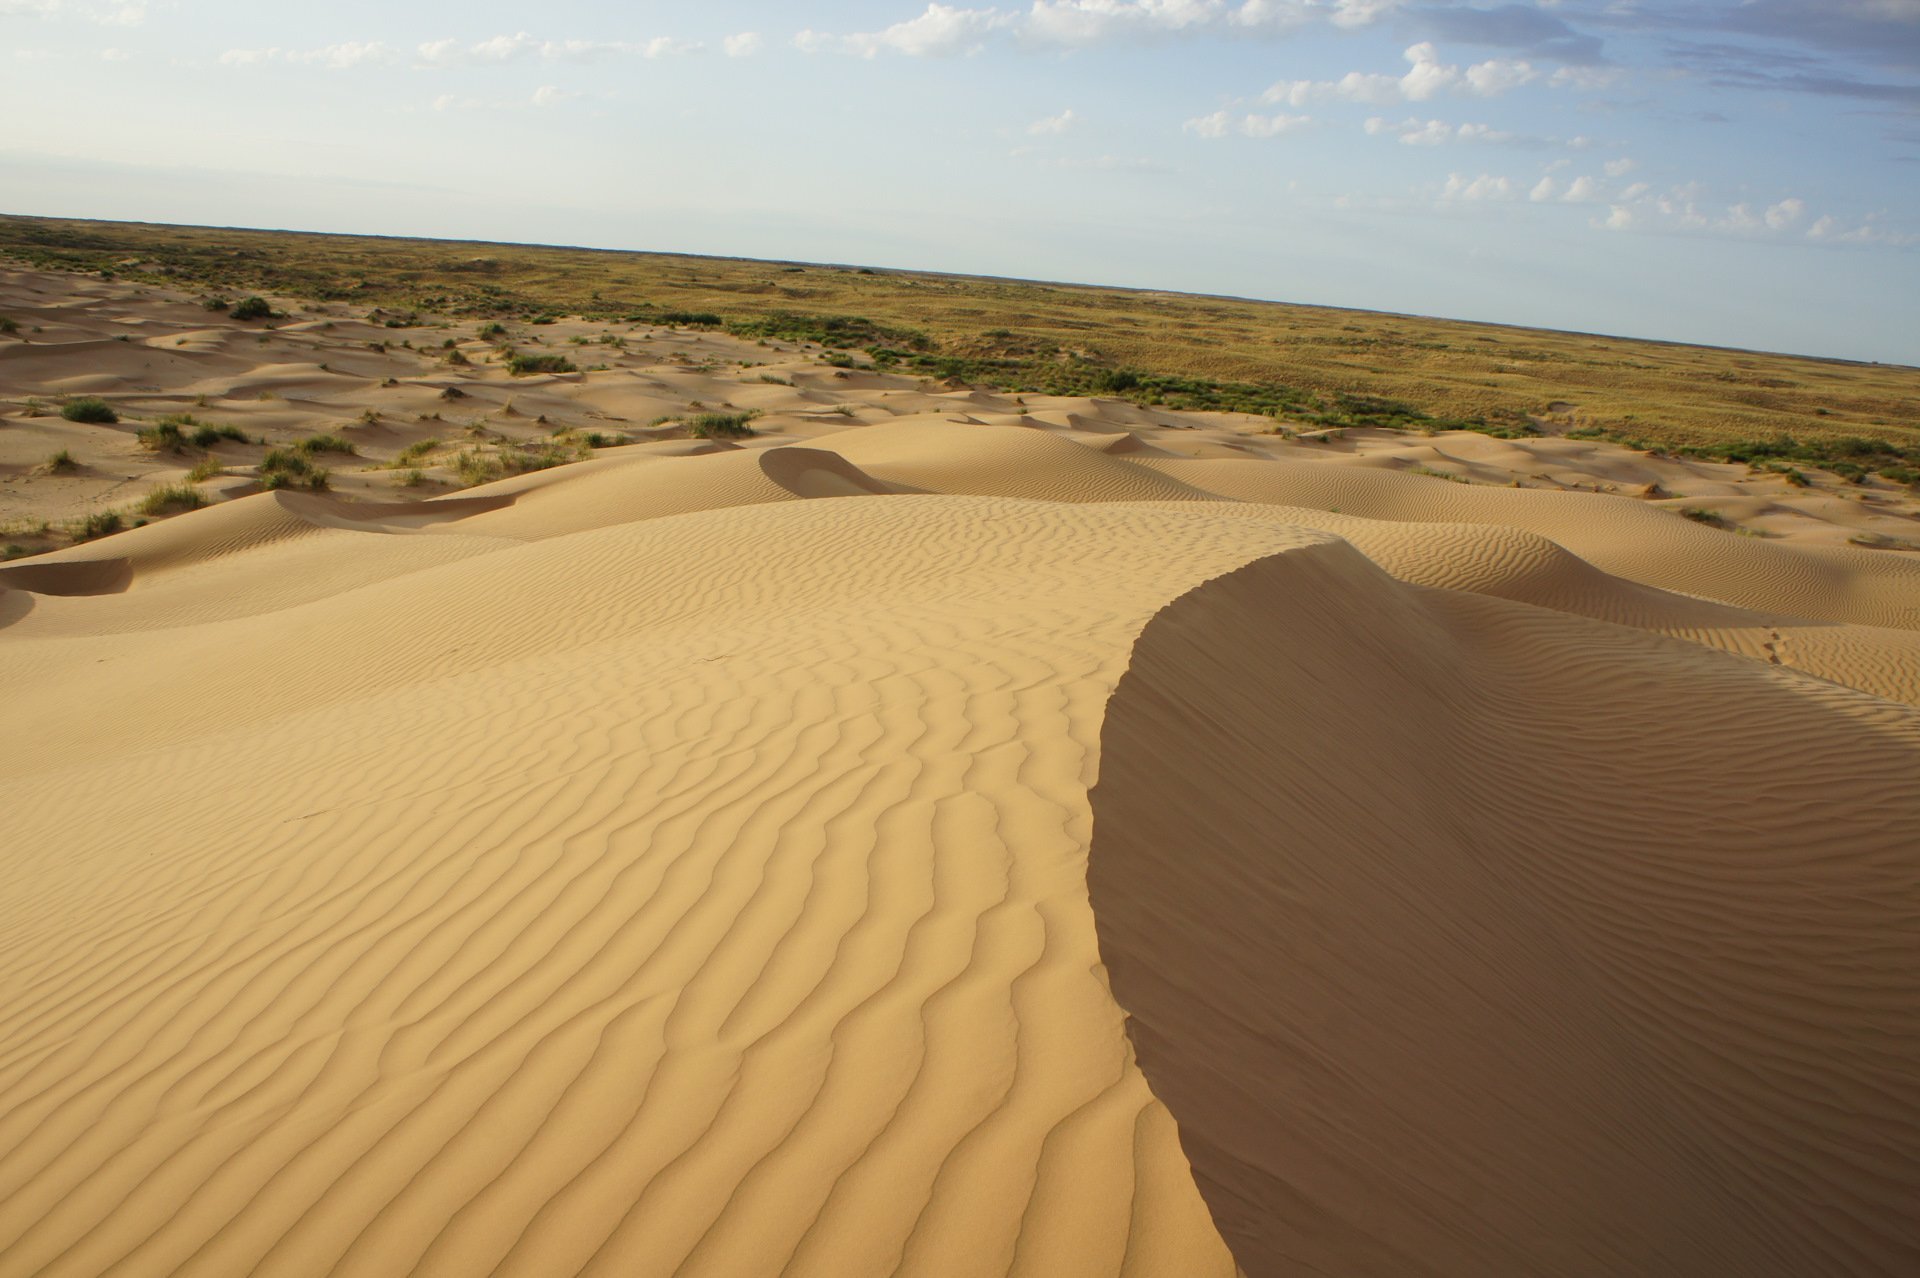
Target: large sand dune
(679, 862)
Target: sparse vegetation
(62, 463)
(90, 409)
(475, 466)
(164, 436)
(720, 425)
(8, 327)
(522, 365)
(1702, 515)
(207, 436)
(251, 308)
(204, 469)
(100, 523)
(171, 498)
(1306, 366)
(288, 468)
(313, 445)
(1881, 541)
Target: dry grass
(1311, 365)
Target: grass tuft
(90, 409)
(721, 425)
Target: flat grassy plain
(1308, 367)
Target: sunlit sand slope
(698, 895)
(679, 864)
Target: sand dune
(1521, 944)
(706, 859)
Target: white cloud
(1426, 78)
(1221, 123)
(127, 13)
(743, 45)
(947, 29)
(341, 57)
(336, 57)
(1543, 190)
(1619, 168)
(1435, 132)
(521, 44)
(114, 55)
(942, 30)
(1582, 190)
(1681, 209)
(1784, 214)
(550, 95)
(1483, 188)
(1054, 124)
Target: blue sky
(1740, 172)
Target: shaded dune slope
(1464, 937)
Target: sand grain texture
(680, 864)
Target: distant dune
(962, 836)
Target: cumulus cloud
(1684, 209)
(1486, 187)
(522, 45)
(743, 45)
(948, 29)
(1426, 77)
(336, 57)
(942, 31)
(1619, 168)
(1223, 123)
(1785, 214)
(1413, 132)
(1054, 124)
(1582, 190)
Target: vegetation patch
(289, 468)
(314, 445)
(721, 425)
(522, 365)
(90, 409)
(172, 498)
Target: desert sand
(944, 833)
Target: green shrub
(205, 468)
(286, 468)
(492, 329)
(205, 436)
(91, 409)
(720, 425)
(62, 463)
(413, 452)
(316, 444)
(252, 308)
(172, 497)
(526, 365)
(100, 523)
(164, 436)
(8, 326)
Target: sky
(1734, 172)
